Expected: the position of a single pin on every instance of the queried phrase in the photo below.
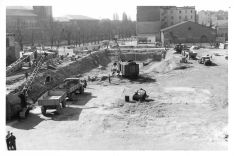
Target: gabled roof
(175, 25)
(73, 17)
(184, 22)
(79, 17)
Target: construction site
(119, 95)
(183, 109)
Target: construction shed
(187, 32)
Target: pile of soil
(168, 65)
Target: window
(180, 11)
(191, 11)
(191, 17)
(189, 28)
(172, 17)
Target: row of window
(180, 11)
(172, 17)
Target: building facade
(222, 31)
(187, 32)
(12, 49)
(28, 23)
(151, 19)
(212, 18)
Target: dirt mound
(168, 65)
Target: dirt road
(187, 110)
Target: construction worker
(85, 83)
(7, 140)
(22, 96)
(26, 75)
(109, 79)
(12, 139)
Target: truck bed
(52, 97)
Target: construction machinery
(140, 95)
(206, 60)
(17, 65)
(18, 103)
(128, 68)
(56, 98)
(26, 107)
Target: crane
(24, 92)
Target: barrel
(127, 98)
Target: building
(212, 18)
(12, 49)
(28, 23)
(83, 28)
(151, 19)
(222, 31)
(187, 32)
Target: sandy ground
(187, 110)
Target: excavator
(26, 107)
(129, 69)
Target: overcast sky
(105, 8)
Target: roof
(19, 12)
(20, 7)
(181, 23)
(73, 17)
(80, 17)
(175, 25)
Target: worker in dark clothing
(45, 54)
(26, 75)
(85, 83)
(7, 140)
(23, 98)
(109, 79)
(12, 139)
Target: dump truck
(72, 86)
(53, 99)
(56, 98)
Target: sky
(106, 8)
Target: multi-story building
(27, 22)
(173, 15)
(212, 18)
(12, 49)
(151, 19)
